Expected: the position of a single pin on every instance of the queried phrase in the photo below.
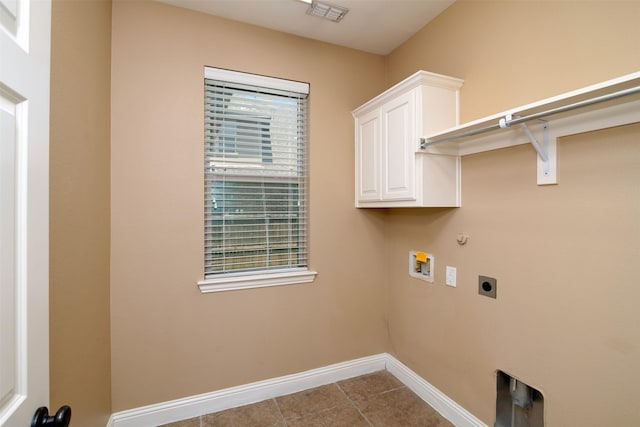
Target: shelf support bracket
(541, 150)
(546, 159)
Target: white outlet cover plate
(451, 276)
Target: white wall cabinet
(390, 169)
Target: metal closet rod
(507, 123)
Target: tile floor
(373, 400)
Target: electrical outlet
(451, 276)
(487, 286)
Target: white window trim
(255, 80)
(239, 281)
(230, 282)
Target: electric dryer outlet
(487, 286)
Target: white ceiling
(376, 26)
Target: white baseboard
(194, 406)
(189, 407)
(439, 401)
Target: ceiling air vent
(327, 11)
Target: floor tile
(261, 414)
(400, 407)
(191, 422)
(297, 405)
(372, 400)
(364, 386)
(345, 416)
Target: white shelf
(620, 111)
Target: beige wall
(513, 52)
(79, 208)
(168, 340)
(565, 256)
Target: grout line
(355, 406)
(364, 417)
(390, 390)
(279, 411)
(343, 392)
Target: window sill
(234, 283)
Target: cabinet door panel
(398, 148)
(368, 157)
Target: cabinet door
(398, 148)
(368, 156)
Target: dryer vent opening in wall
(517, 404)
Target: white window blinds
(255, 173)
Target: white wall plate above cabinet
(390, 170)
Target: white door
(24, 209)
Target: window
(255, 186)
